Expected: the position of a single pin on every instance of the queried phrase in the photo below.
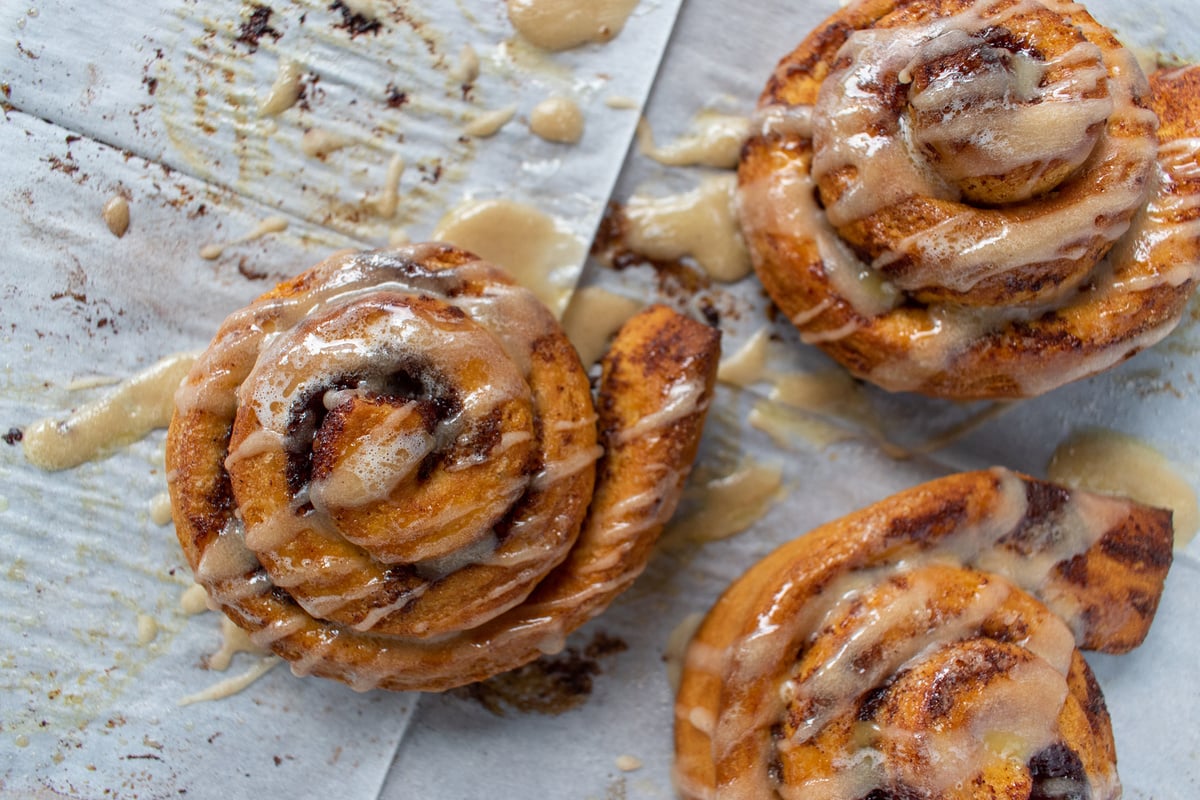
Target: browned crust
(1106, 327)
(1111, 592)
(652, 353)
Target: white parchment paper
(719, 60)
(157, 103)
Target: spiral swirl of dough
(925, 647)
(390, 469)
(974, 198)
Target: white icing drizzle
(385, 203)
(727, 505)
(266, 356)
(275, 531)
(628, 763)
(684, 397)
(383, 457)
(259, 442)
(275, 630)
(830, 690)
(1008, 131)
(775, 119)
(1106, 461)
(467, 68)
(147, 629)
(592, 317)
(1035, 121)
(622, 103)
(295, 364)
(226, 557)
(116, 215)
(194, 600)
(1012, 711)
(540, 251)
(234, 640)
(808, 315)
(555, 471)
(315, 653)
(275, 224)
(233, 685)
(328, 568)
(1169, 222)
(784, 201)
(1054, 372)
(365, 8)
(832, 335)
(91, 382)
(746, 365)
(320, 143)
(609, 533)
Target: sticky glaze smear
(96, 429)
(701, 223)
(1115, 463)
(565, 24)
(538, 250)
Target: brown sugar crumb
(257, 26)
(250, 273)
(353, 22)
(603, 645)
(67, 166)
(395, 97)
(550, 685)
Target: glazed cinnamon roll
(925, 647)
(390, 470)
(974, 198)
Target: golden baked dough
(925, 647)
(390, 469)
(974, 199)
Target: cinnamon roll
(926, 647)
(974, 198)
(390, 469)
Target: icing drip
(715, 141)
(564, 24)
(125, 414)
(701, 223)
